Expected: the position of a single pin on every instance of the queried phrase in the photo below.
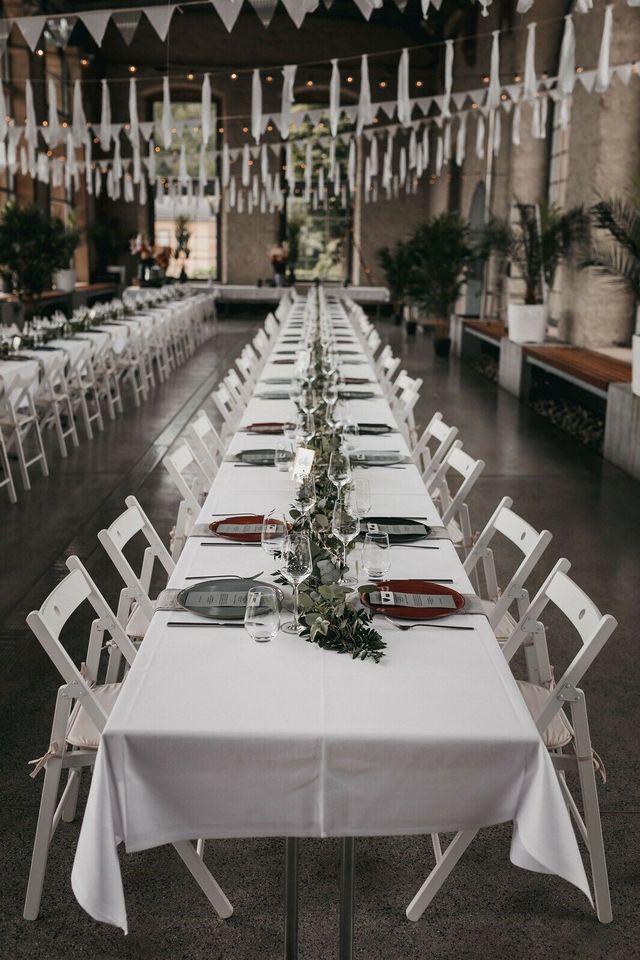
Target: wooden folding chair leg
(439, 874)
(203, 878)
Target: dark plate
(200, 597)
(415, 613)
(398, 537)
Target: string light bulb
(234, 76)
(84, 61)
(133, 68)
(40, 52)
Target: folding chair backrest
(116, 537)
(187, 475)
(206, 442)
(528, 541)
(48, 621)
(593, 628)
(457, 464)
(225, 404)
(271, 326)
(430, 459)
(236, 388)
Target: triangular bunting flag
(265, 10)
(96, 23)
(228, 11)
(160, 19)
(127, 23)
(61, 29)
(31, 29)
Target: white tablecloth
(217, 736)
(26, 370)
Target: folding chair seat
(559, 710)
(498, 601)
(6, 479)
(135, 607)
(427, 459)
(454, 510)
(53, 404)
(83, 704)
(19, 420)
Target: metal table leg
(347, 874)
(291, 898)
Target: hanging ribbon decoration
(365, 110)
(530, 88)
(205, 109)
(167, 118)
(334, 98)
(448, 78)
(256, 106)
(78, 119)
(104, 131)
(288, 79)
(567, 69)
(404, 103)
(603, 74)
(493, 93)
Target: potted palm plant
(28, 251)
(533, 247)
(442, 252)
(619, 258)
(65, 240)
(396, 263)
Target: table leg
(347, 873)
(291, 898)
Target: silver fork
(425, 623)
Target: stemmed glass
(345, 527)
(359, 497)
(296, 566)
(274, 533)
(350, 434)
(339, 469)
(304, 493)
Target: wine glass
(359, 497)
(345, 527)
(295, 567)
(274, 533)
(350, 434)
(262, 615)
(376, 555)
(304, 493)
(339, 469)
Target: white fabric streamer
(142, 192)
(365, 109)
(167, 118)
(446, 143)
(530, 87)
(373, 157)
(151, 161)
(497, 133)
(202, 169)
(567, 68)
(246, 169)
(288, 78)
(79, 121)
(515, 125)
(256, 106)
(448, 77)
(351, 167)
(183, 176)
(334, 98)
(134, 123)
(205, 109)
(402, 166)
(425, 148)
(413, 150)
(404, 103)
(603, 75)
(524, 6)
(104, 132)
(291, 173)
(117, 159)
(439, 155)
(226, 167)
(493, 92)
(480, 137)
(54, 131)
(461, 140)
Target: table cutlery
(415, 546)
(423, 623)
(210, 623)
(226, 576)
(228, 543)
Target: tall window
(318, 238)
(180, 208)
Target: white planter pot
(635, 364)
(527, 323)
(65, 280)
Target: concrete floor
(488, 907)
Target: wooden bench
(486, 329)
(585, 368)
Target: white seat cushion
(137, 624)
(82, 730)
(558, 733)
(506, 626)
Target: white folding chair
(187, 475)
(403, 405)
(135, 606)
(454, 510)
(7, 479)
(498, 601)
(247, 365)
(427, 459)
(19, 418)
(83, 705)
(206, 443)
(237, 389)
(53, 403)
(548, 702)
(130, 366)
(83, 391)
(229, 409)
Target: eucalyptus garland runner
(325, 614)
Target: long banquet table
(216, 736)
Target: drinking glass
(262, 616)
(345, 527)
(274, 533)
(295, 567)
(304, 493)
(339, 469)
(291, 429)
(350, 434)
(283, 456)
(359, 497)
(376, 555)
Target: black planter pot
(411, 327)
(442, 346)
(397, 318)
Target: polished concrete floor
(488, 908)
